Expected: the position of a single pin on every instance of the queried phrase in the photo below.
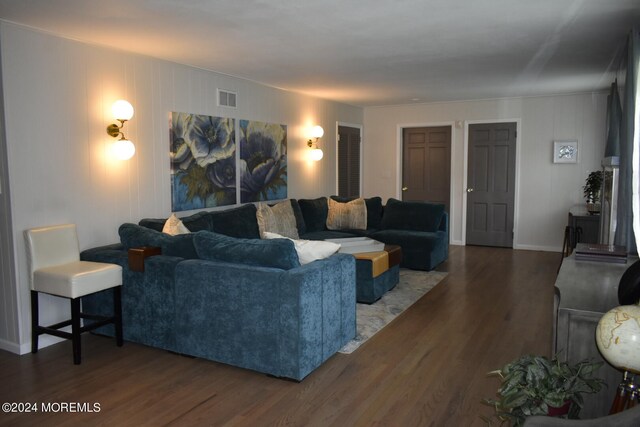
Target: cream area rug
(370, 318)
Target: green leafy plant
(533, 384)
(592, 185)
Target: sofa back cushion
(315, 213)
(277, 253)
(134, 236)
(418, 216)
(196, 222)
(237, 222)
(374, 209)
(297, 212)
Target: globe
(618, 337)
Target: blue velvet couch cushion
(418, 216)
(132, 236)
(196, 222)
(237, 222)
(315, 213)
(274, 253)
(421, 250)
(374, 209)
(297, 212)
(328, 234)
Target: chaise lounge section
(281, 319)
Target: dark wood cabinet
(583, 229)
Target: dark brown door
(348, 161)
(491, 184)
(426, 164)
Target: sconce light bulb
(317, 132)
(122, 110)
(124, 149)
(316, 154)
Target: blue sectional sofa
(420, 228)
(223, 294)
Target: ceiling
(363, 52)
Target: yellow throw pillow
(277, 219)
(347, 216)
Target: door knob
(469, 190)
(405, 188)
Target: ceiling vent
(227, 98)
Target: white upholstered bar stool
(53, 257)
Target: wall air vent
(227, 98)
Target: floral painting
(263, 161)
(203, 161)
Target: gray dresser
(586, 291)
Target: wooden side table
(138, 255)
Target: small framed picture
(565, 151)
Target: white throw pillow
(174, 226)
(308, 250)
(278, 219)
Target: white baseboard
(24, 348)
(538, 248)
(11, 347)
(520, 247)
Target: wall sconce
(316, 153)
(123, 148)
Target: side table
(377, 273)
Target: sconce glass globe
(124, 149)
(122, 110)
(317, 132)
(316, 154)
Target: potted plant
(591, 189)
(535, 385)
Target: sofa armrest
(444, 223)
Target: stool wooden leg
(75, 330)
(117, 313)
(34, 322)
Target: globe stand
(627, 394)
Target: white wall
(57, 100)
(545, 191)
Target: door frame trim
(399, 131)
(355, 126)
(516, 190)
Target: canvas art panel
(263, 161)
(203, 161)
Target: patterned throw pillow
(174, 226)
(347, 216)
(277, 219)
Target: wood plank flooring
(427, 368)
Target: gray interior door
(491, 184)
(348, 161)
(426, 164)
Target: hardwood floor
(427, 368)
